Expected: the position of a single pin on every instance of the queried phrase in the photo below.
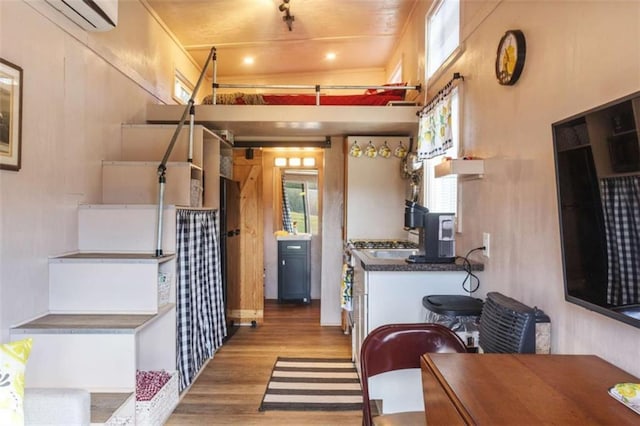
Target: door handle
(294, 247)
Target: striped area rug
(312, 384)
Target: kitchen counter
(370, 262)
(388, 290)
(294, 237)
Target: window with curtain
(442, 33)
(441, 194)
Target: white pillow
(13, 360)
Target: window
(182, 89)
(441, 194)
(442, 33)
(396, 75)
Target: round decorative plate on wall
(510, 57)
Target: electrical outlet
(486, 239)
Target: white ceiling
(362, 33)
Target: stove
(382, 244)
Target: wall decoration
(10, 115)
(510, 57)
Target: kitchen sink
(390, 253)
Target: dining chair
(399, 346)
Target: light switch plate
(486, 239)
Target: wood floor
(229, 390)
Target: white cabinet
(390, 297)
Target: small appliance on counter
(435, 234)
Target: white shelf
(460, 167)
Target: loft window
(442, 34)
(182, 89)
(396, 75)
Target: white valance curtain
(434, 131)
(621, 205)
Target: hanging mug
(384, 151)
(400, 151)
(371, 150)
(355, 150)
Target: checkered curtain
(621, 204)
(287, 224)
(201, 323)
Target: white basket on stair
(157, 410)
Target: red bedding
(331, 99)
(381, 98)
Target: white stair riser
(124, 228)
(99, 361)
(82, 287)
(137, 183)
(96, 362)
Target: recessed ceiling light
(248, 60)
(330, 56)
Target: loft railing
(315, 87)
(162, 168)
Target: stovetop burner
(382, 244)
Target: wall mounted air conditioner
(92, 15)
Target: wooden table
(518, 389)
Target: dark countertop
(370, 263)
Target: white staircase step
(124, 227)
(100, 353)
(111, 408)
(108, 282)
(136, 182)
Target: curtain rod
(442, 92)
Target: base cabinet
(395, 297)
(294, 271)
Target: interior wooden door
(249, 298)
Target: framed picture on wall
(10, 115)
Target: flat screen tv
(597, 157)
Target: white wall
(78, 88)
(332, 228)
(579, 55)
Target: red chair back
(399, 346)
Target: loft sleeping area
(301, 109)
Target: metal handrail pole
(215, 73)
(192, 120)
(162, 181)
(162, 168)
